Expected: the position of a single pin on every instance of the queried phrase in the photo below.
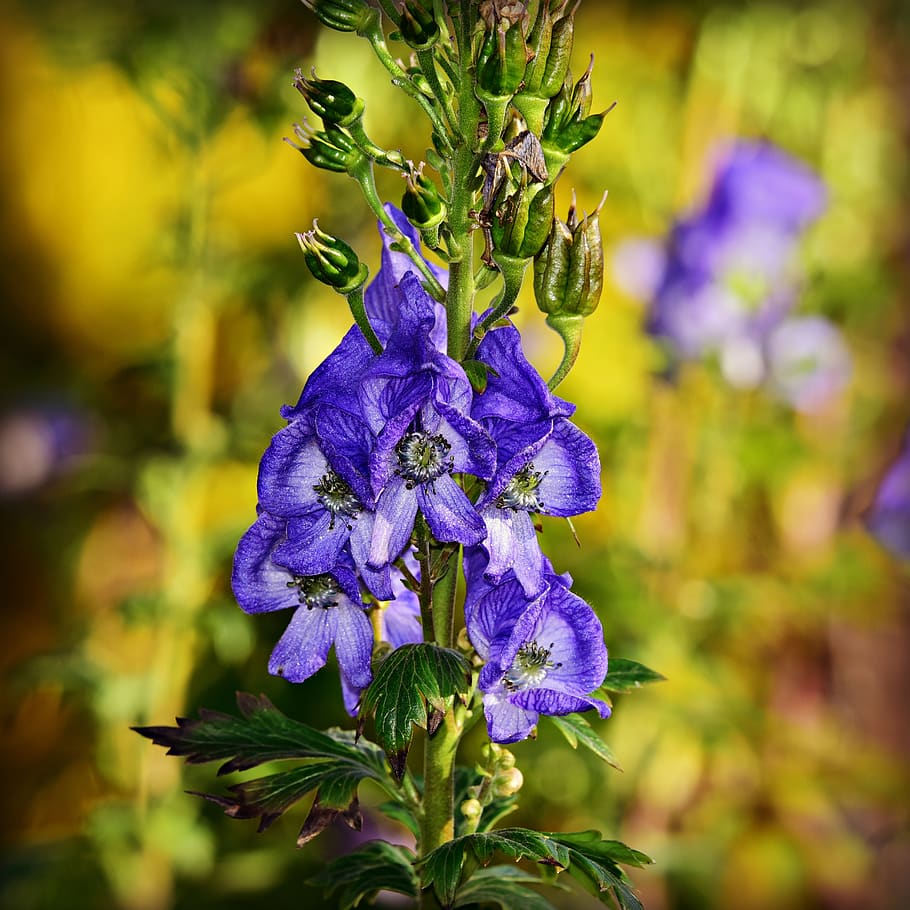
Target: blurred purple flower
(40, 443)
(808, 362)
(729, 268)
(889, 518)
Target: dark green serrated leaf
(594, 862)
(266, 798)
(415, 685)
(577, 731)
(402, 814)
(503, 885)
(376, 866)
(262, 733)
(627, 675)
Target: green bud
(507, 783)
(522, 222)
(344, 15)
(333, 101)
(539, 45)
(502, 59)
(568, 271)
(331, 260)
(418, 26)
(330, 149)
(421, 201)
(472, 809)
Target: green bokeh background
(151, 284)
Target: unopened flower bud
(472, 809)
(505, 760)
(344, 15)
(508, 783)
(418, 26)
(568, 271)
(331, 260)
(331, 149)
(333, 101)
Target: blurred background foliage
(157, 312)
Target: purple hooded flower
(416, 401)
(315, 473)
(328, 609)
(557, 473)
(543, 656)
(808, 362)
(381, 296)
(889, 518)
(729, 271)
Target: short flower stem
(569, 329)
(359, 312)
(513, 271)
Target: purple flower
(416, 400)
(328, 609)
(729, 271)
(381, 296)
(808, 362)
(889, 518)
(400, 621)
(544, 655)
(557, 473)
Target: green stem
(427, 61)
(362, 172)
(359, 312)
(513, 271)
(438, 821)
(569, 329)
(444, 589)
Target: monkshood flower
(416, 401)
(315, 473)
(889, 518)
(544, 655)
(557, 473)
(382, 297)
(729, 271)
(808, 362)
(328, 609)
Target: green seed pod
(333, 101)
(558, 56)
(539, 45)
(568, 271)
(418, 27)
(521, 223)
(331, 260)
(344, 15)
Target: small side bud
(423, 205)
(472, 809)
(333, 101)
(332, 261)
(344, 15)
(507, 783)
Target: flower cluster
(383, 447)
(727, 279)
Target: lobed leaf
(415, 685)
(377, 866)
(588, 858)
(262, 733)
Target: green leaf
(415, 684)
(261, 734)
(503, 885)
(377, 866)
(335, 763)
(576, 729)
(586, 857)
(626, 675)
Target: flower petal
(449, 512)
(571, 483)
(304, 647)
(392, 524)
(259, 584)
(354, 643)
(507, 722)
